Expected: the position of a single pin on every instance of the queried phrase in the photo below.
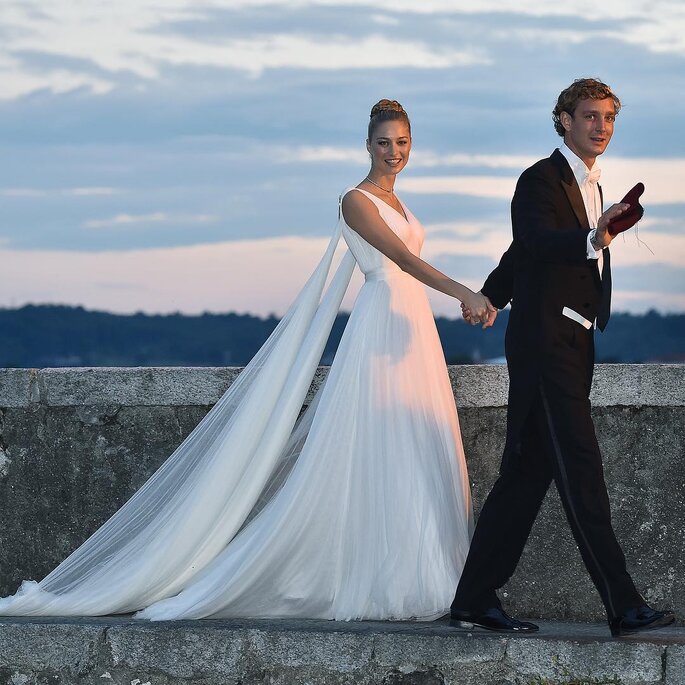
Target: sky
(178, 155)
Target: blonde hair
(387, 110)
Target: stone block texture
(243, 652)
(75, 444)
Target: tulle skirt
(362, 511)
(373, 520)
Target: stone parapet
(75, 444)
(477, 385)
(250, 652)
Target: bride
(359, 509)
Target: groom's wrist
(594, 241)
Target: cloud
(90, 192)
(628, 250)
(640, 302)
(19, 80)
(451, 230)
(655, 277)
(134, 39)
(497, 187)
(23, 192)
(96, 48)
(491, 244)
(432, 158)
(258, 276)
(264, 276)
(420, 159)
(256, 54)
(385, 19)
(660, 224)
(320, 153)
(154, 218)
(662, 178)
(46, 192)
(254, 112)
(658, 26)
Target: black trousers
(557, 442)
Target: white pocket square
(568, 312)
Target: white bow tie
(592, 176)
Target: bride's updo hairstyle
(387, 110)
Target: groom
(557, 275)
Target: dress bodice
(372, 262)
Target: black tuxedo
(550, 358)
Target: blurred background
(170, 169)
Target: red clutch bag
(632, 215)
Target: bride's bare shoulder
(356, 202)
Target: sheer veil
(224, 472)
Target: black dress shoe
(638, 619)
(491, 619)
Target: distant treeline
(50, 335)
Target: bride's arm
(362, 215)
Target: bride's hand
(476, 304)
(487, 320)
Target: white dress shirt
(587, 181)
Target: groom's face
(589, 130)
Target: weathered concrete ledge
(476, 385)
(250, 652)
(76, 443)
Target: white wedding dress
(358, 510)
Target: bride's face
(389, 147)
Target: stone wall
(119, 651)
(76, 443)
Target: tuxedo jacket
(545, 270)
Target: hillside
(53, 335)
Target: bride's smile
(389, 147)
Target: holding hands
(477, 308)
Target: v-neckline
(402, 213)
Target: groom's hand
(602, 237)
(491, 314)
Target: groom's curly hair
(581, 89)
